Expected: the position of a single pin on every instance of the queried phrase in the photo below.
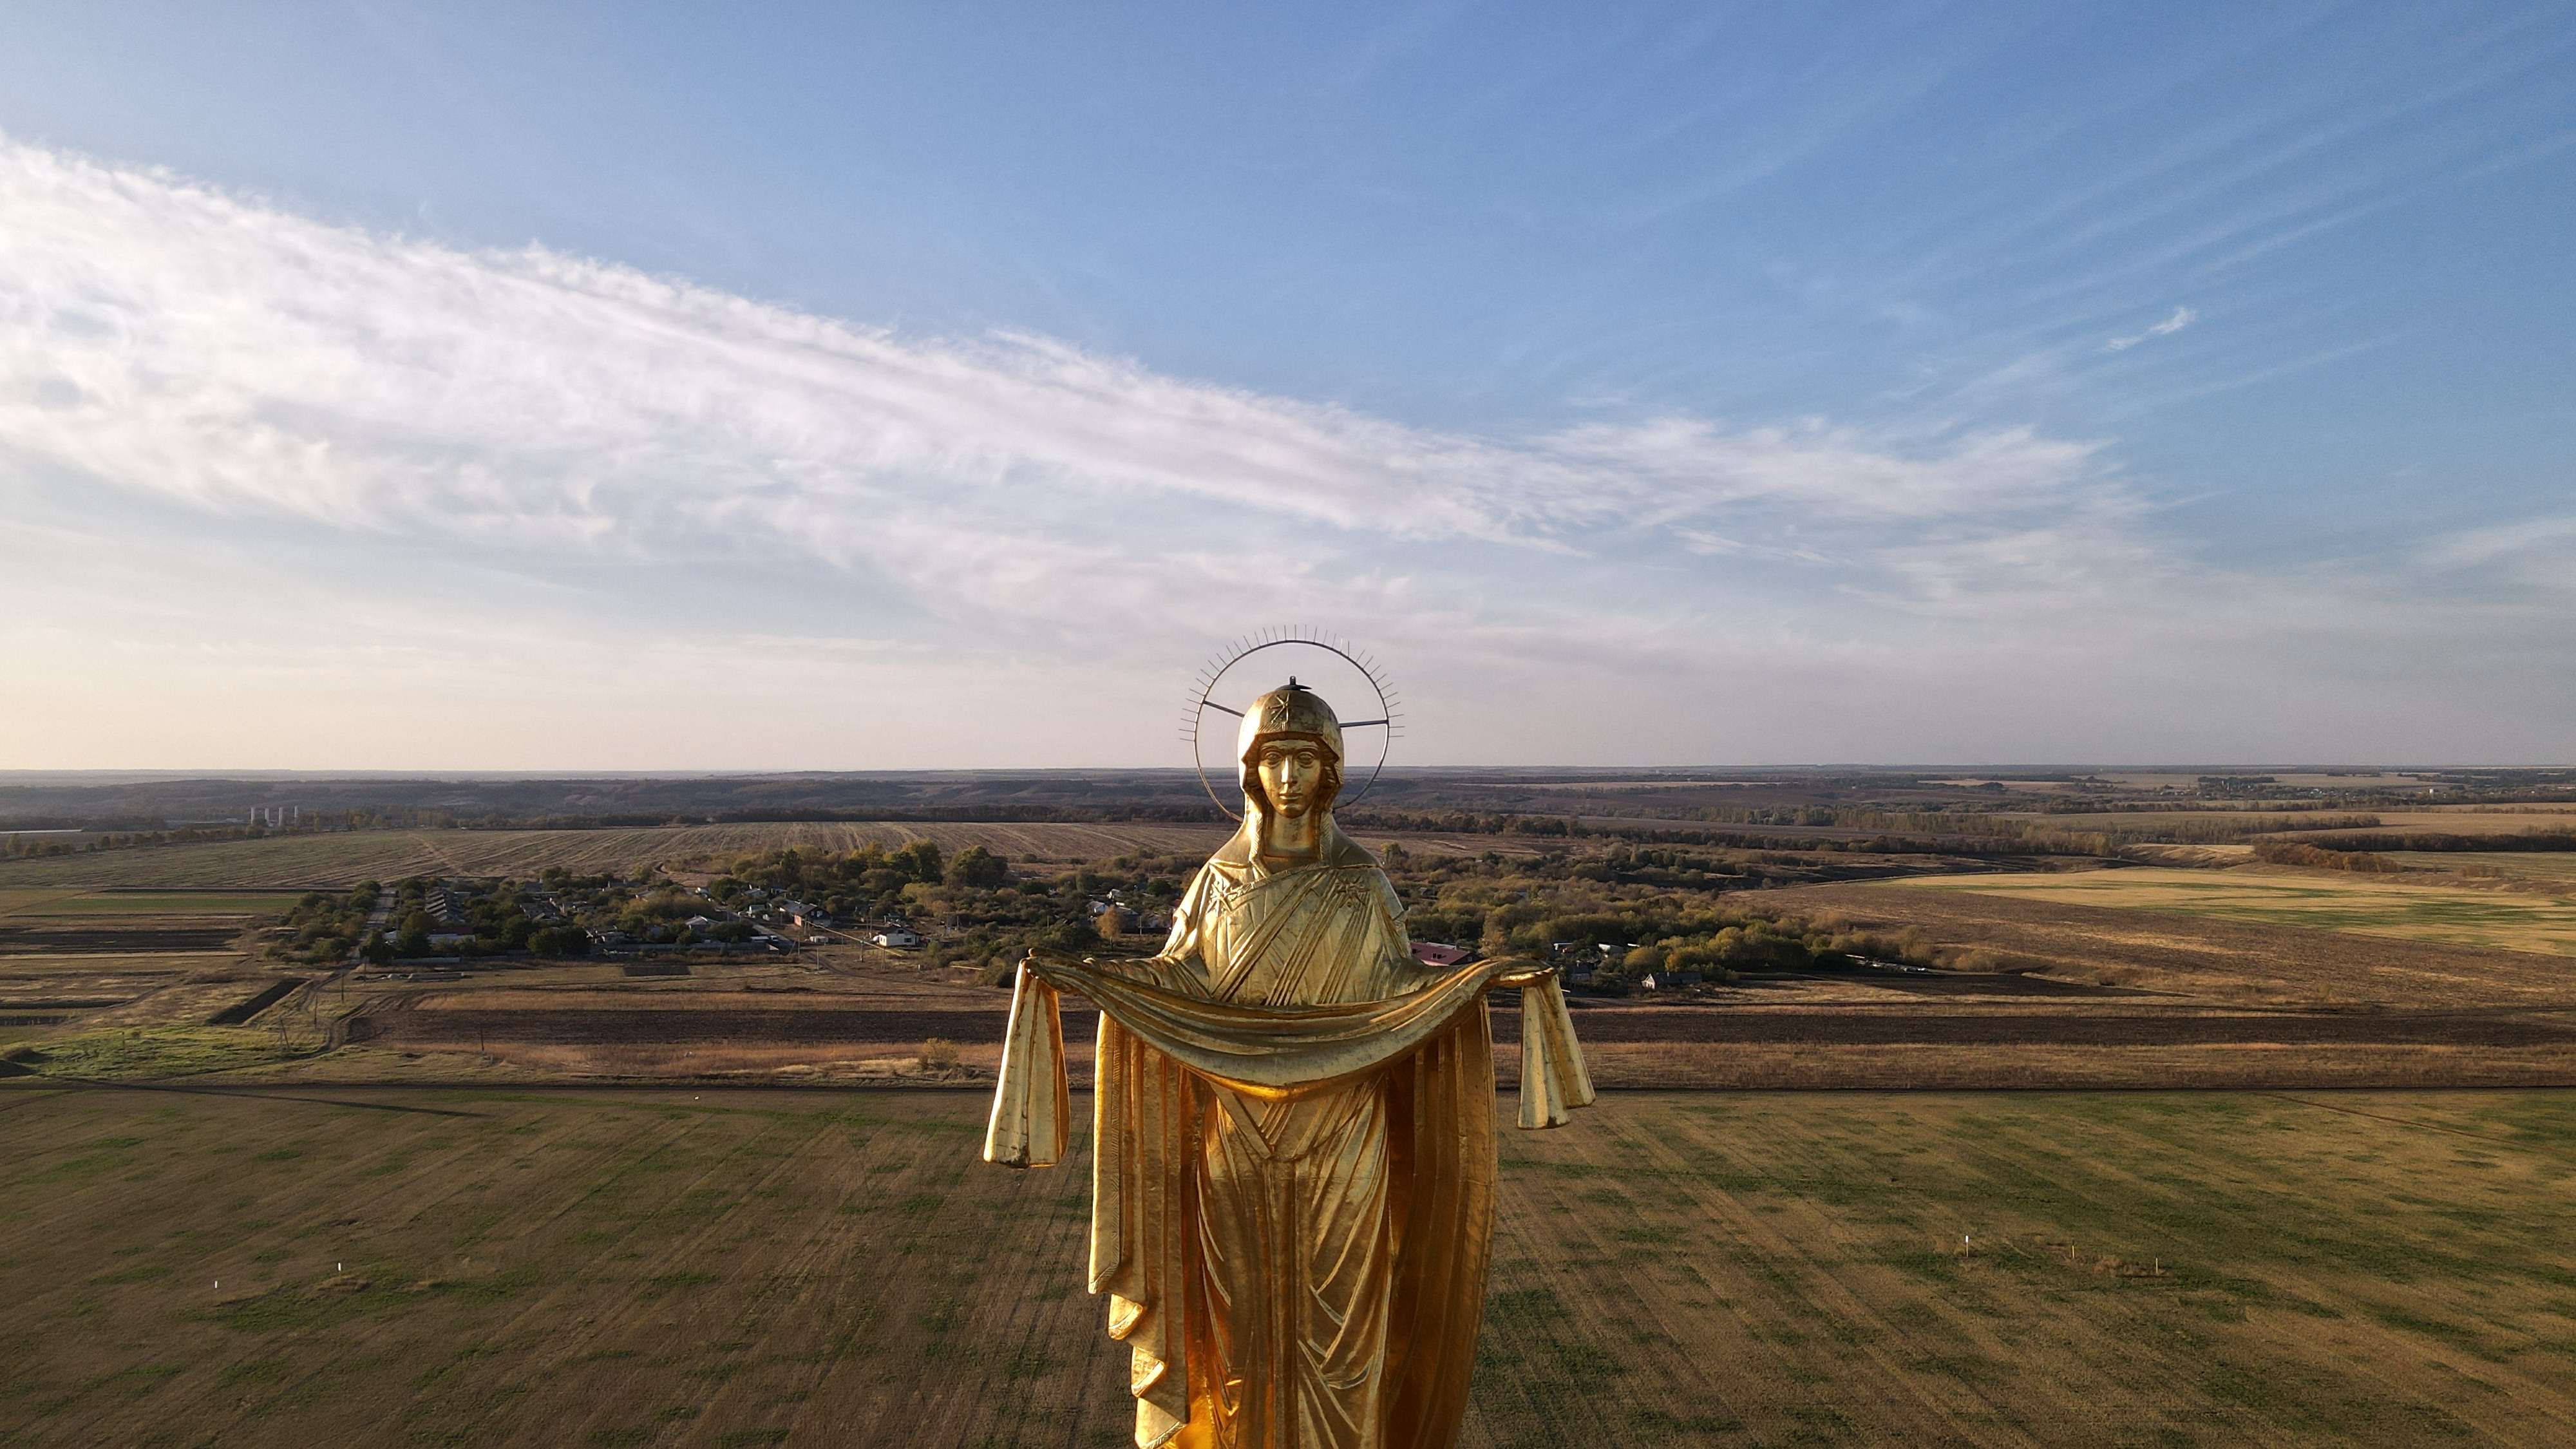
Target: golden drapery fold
(1159, 1053)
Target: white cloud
(2536, 553)
(238, 424)
(2182, 317)
(165, 338)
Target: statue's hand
(1041, 957)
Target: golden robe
(1293, 1155)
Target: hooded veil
(1293, 1155)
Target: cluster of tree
(992, 927)
(324, 928)
(2537, 838)
(653, 912)
(970, 814)
(18, 847)
(1658, 909)
(854, 883)
(493, 919)
(2283, 852)
(1460, 822)
(1941, 832)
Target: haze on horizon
(530, 388)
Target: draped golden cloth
(1293, 1156)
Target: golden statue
(1293, 1152)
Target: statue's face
(1292, 775)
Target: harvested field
(2353, 904)
(82, 903)
(88, 923)
(1808, 1044)
(2475, 820)
(338, 861)
(2463, 820)
(719, 1020)
(335, 862)
(71, 960)
(2552, 870)
(18, 940)
(739, 1268)
(2087, 937)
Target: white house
(896, 937)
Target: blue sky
(553, 388)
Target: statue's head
(1291, 748)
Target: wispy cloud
(169, 339)
(2182, 317)
(637, 467)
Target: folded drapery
(1269, 1052)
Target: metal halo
(1214, 671)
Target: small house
(895, 938)
(1432, 953)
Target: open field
(2052, 995)
(296, 863)
(337, 861)
(71, 955)
(2203, 959)
(744, 1268)
(2263, 977)
(2553, 870)
(2444, 820)
(2357, 904)
(72, 901)
(2475, 819)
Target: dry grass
(737, 1268)
(2354, 904)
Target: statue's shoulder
(1231, 862)
(1343, 853)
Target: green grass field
(2360, 904)
(747, 1268)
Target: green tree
(920, 860)
(976, 866)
